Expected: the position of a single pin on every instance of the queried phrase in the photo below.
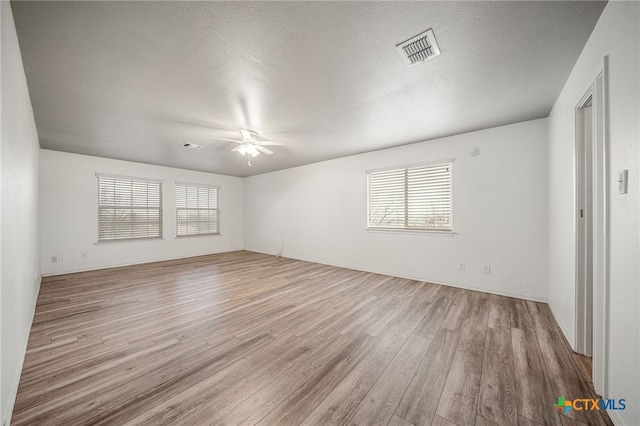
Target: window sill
(128, 240)
(212, 234)
(443, 233)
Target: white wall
(318, 213)
(20, 277)
(69, 200)
(617, 35)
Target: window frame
(217, 209)
(449, 231)
(132, 179)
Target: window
(197, 209)
(129, 208)
(410, 198)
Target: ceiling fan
(251, 144)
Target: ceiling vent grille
(191, 145)
(419, 48)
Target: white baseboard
(120, 265)
(373, 271)
(615, 418)
(13, 392)
(568, 336)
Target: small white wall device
(622, 181)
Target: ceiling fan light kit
(250, 144)
(248, 149)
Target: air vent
(191, 145)
(419, 48)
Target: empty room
(320, 213)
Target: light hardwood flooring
(246, 338)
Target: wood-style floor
(246, 338)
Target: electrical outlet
(54, 259)
(460, 266)
(60, 258)
(83, 255)
(486, 269)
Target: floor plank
(439, 421)
(299, 404)
(532, 383)
(279, 353)
(379, 404)
(398, 421)
(497, 401)
(459, 399)
(419, 402)
(337, 406)
(481, 421)
(266, 399)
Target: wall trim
(565, 330)
(13, 392)
(120, 265)
(615, 417)
(409, 277)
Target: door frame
(598, 90)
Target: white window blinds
(410, 198)
(128, 208)
(197, 210)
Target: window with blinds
(197, 210)
(129, 208)
(410, 198)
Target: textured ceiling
(134, 80)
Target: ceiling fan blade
(263, 149)
(225, 139)
(237, 148)
(246, 134)
(270, 142)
